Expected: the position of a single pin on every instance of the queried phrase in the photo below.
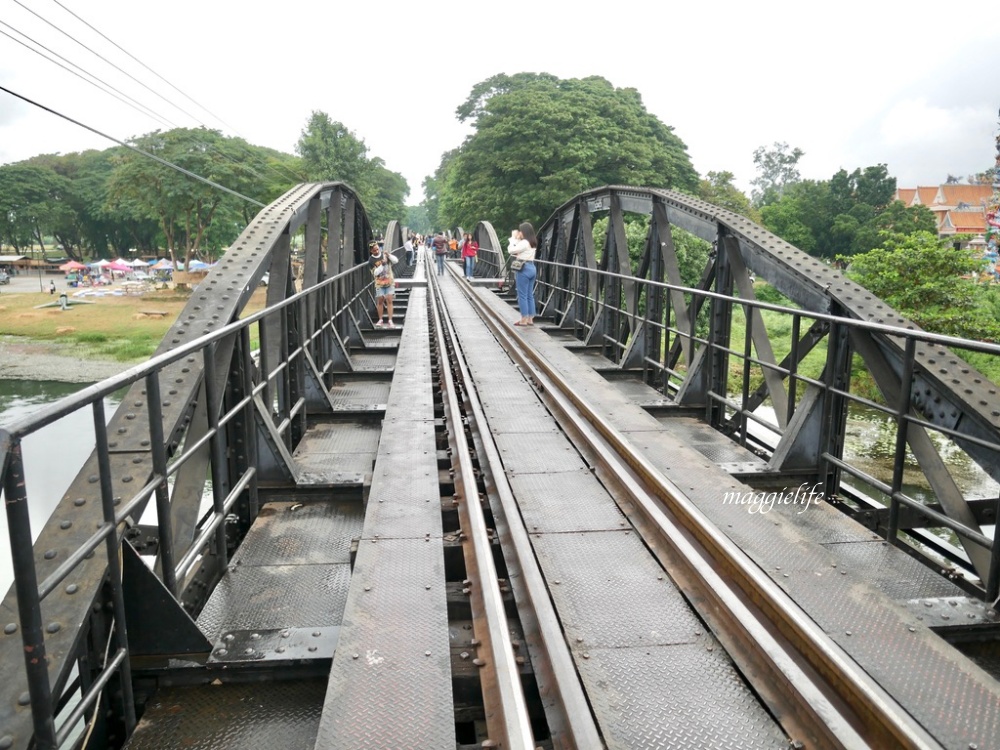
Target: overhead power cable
(129, 146)
(96, 83)
(287, 172)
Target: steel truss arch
(910, 368)
(173, 412)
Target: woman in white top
(522, 247)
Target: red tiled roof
(968, 222)
(926, 195)
(972, 195)
(906, 195)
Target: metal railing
(670, 352)
(306, 321)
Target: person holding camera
(380, 264)
(522, 249)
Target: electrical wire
(97, 83)
(129, 146)
(103, 85)
(267, 165)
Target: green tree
(539, 141)
(331, 152)
(183, 206)
(718, 189)
(927, 280)
(416, 219)
(777, 168)
(30, 204)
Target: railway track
(812, 689)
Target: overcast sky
(852, 84)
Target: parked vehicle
(4, 278)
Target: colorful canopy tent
(116, 266)
(138, 263)
(197, 265)
(72, 266)
(100, 263)
(162, 265)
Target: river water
(52, 456)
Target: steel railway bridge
(633, 525)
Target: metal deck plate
(356, 395)
(538, 452)
(640, 393)
(373, 360)
(239, 716)
(529, 417)
(567, 501)
(595, 579)
(710, 443)
(925, 674)
(301, 534)
(942, 689)
(683, 696)
(405, 497)
(394, 645)
(333, 453)
(273, 597)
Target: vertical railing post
(159, 454)
(218, 450)
(249, 421)
(29, 606)
(902, 424)
(838, 377)
(793, 366)
(112, 543)
(719, 327)
(747, 354)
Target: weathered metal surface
(332, 453)
(241, 716)
(359, 395)
(394, 645)
(291, 533)
(272, 597)
(691, 696)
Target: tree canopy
(928, 280)
(540, 140)
(844, 215)
(331, 152)
(777, 168)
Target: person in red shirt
(470, 248)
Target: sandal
(520, 324)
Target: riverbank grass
(111, 328)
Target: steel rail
(507, 719)
(828, 700)
(576, 720)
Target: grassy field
(118, 328)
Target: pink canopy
(116, 266)
(71, 266)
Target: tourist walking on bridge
(522, 249)
(470, 248)
(440, 250)
(380, 264)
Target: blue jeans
(525, 280)
(470, 266)
(440, 258)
